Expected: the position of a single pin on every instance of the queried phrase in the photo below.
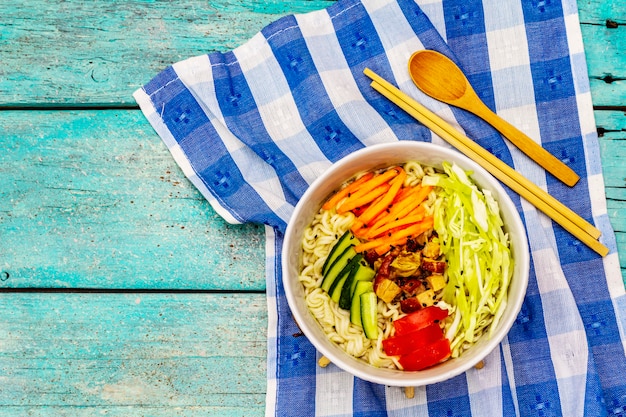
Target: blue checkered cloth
(253, 127)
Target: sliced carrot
(386, 247)
(402, 194)
(367, 186)
(414, 230)
(400, 177)
(381, 222)
(359, 210)
(376, 209)
(391, 213)
(415, 197)
(359, 228)
(375, 232)
(362, 247)
(345, 191)
(354, 203)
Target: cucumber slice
(340, 282)
(369, 314)
(337, 268)
(347, 239)
(361, 287)
(365, 273)
(362, 272)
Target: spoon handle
(531, 148)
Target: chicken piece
(412, 286)
(387, 290)
(384, 270)
(434, 266)
(407, 263)
(436, 282)
(426, 298)
(432, 249)
(409, 305)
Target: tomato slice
(419, 319)
(426, 356)
(401, 345)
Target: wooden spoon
(439, 77)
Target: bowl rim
(447, 369)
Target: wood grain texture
(612, 132)
(93, 199)
(98, 53)
(603, 27)
(605, 63)
(106, 50)
(600, 11)
(132, 354)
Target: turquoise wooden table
(107, 308)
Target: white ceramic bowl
(377, 157)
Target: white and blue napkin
(253, 127)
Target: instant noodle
(407, 266)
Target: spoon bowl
(428, 78)
(440, 78)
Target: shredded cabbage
(477, 252)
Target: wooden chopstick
(557, 211)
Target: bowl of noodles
(405, 263)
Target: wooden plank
(612, 141)
(132, 354)
(599, 11)
(605, 62)
(124, 44)
(93, 199)
(603, 26)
